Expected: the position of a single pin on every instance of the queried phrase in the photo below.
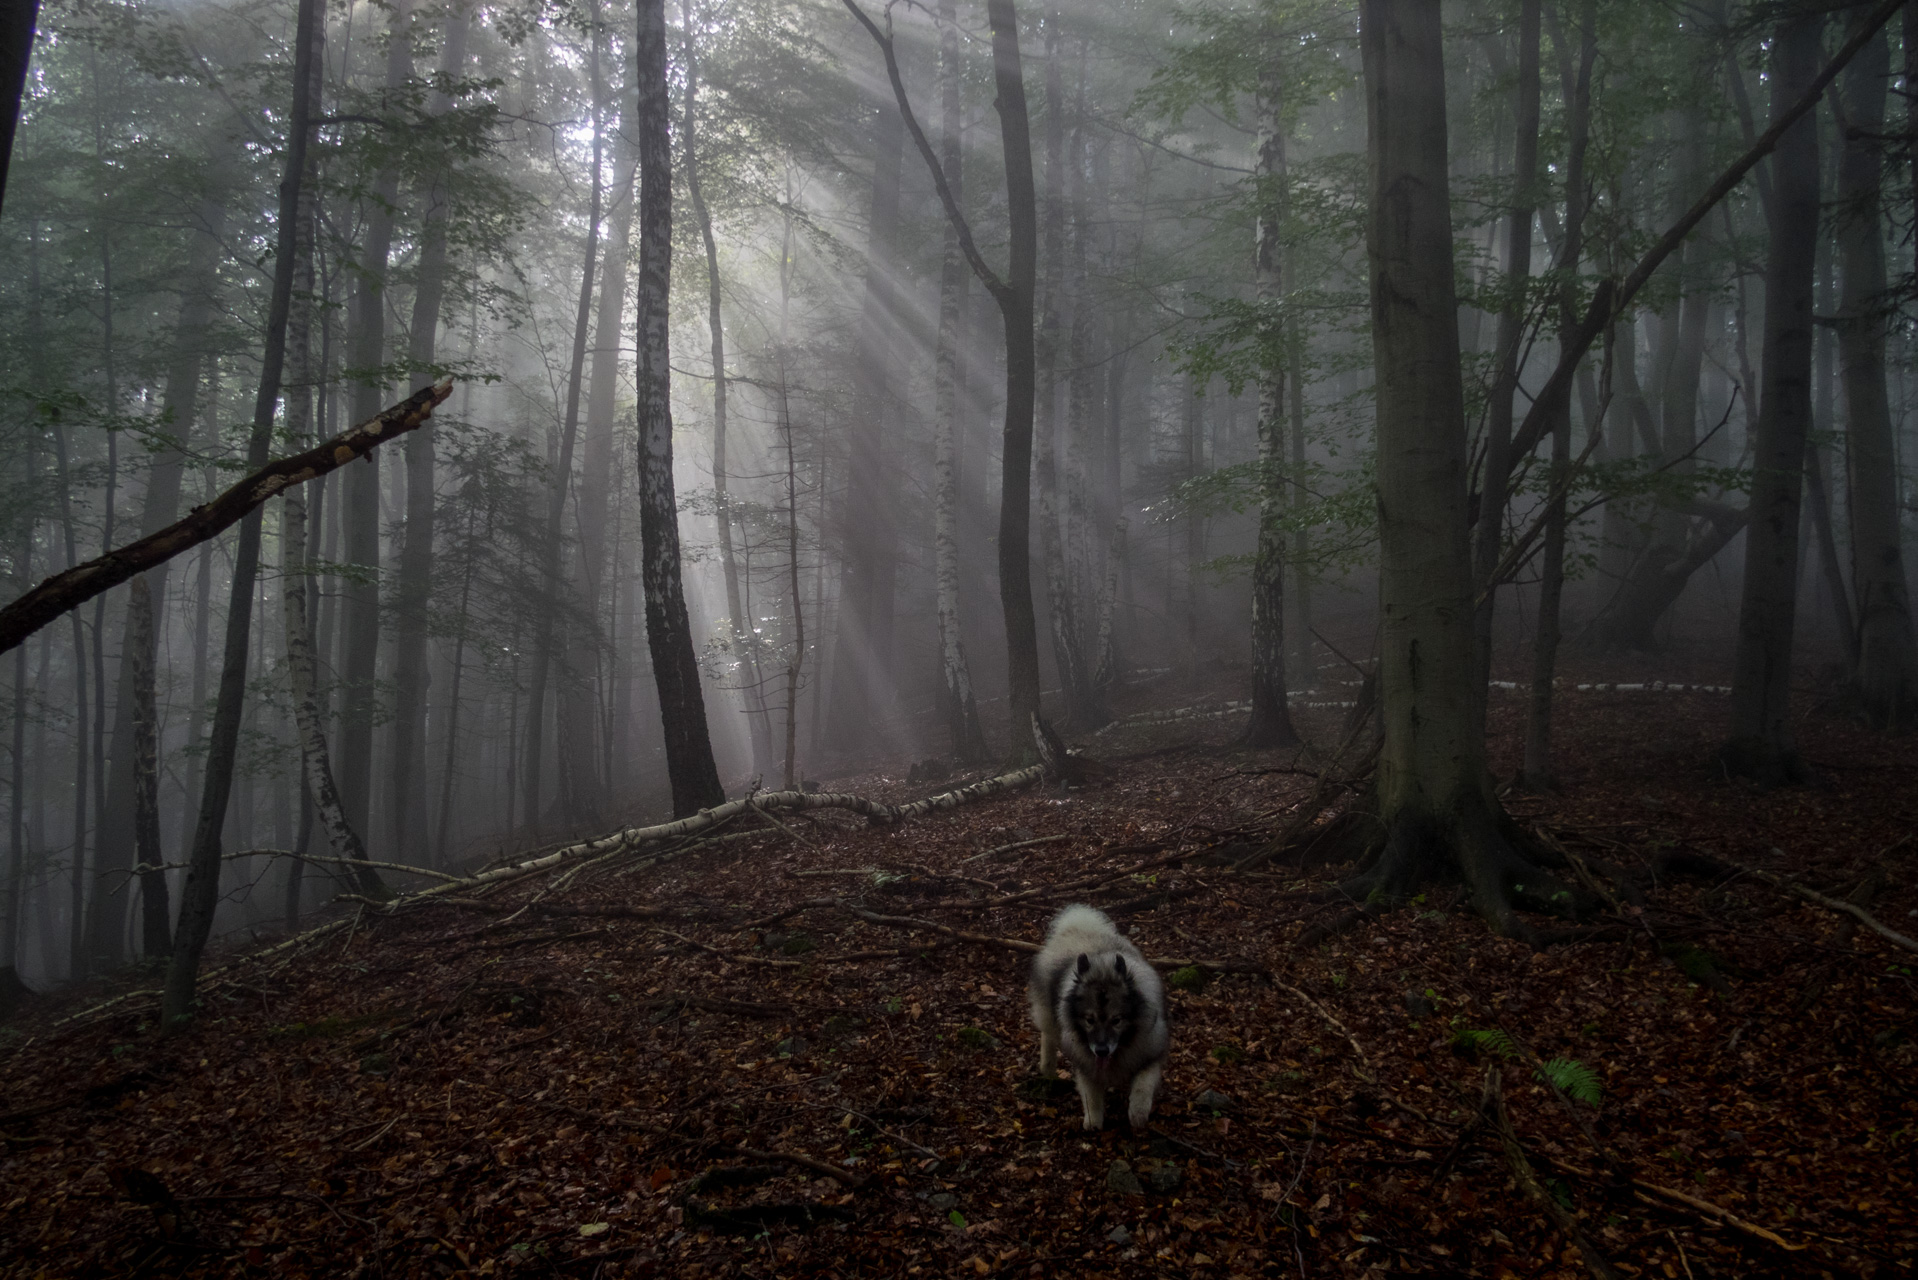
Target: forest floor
(693, 1089)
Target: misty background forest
(449, 448)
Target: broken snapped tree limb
(1839, 905)
(73, 587)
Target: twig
(1839, 905)
(1648, 1189)
(1493, 1108)
(762, 812)
(1008, 848)
(1369, 1076)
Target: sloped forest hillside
(585, 578)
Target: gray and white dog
(1095, 998)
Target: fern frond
(1492, 1041)
(1573, 1078)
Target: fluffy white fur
(1090, 982)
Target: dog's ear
(1118, 967)
(1085, 963)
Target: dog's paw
(1094, 1123)
(1138, 1116)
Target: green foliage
(1469, 1042)
(1573, 1078)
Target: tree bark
(17, 797)
(179, 406)
(406, 815)
(1271, 724)
(76, 936)
(360, 487)
(1762, 745)
(961, 709)
(16, 52)
(689, 753)
(200, 895)
(1885, 664)
(155, 914)
(1433, 790)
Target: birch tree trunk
(1762, 745)
(1271, 724)
(115, 842)
(1885, 671)
(689, 753)
(309, 720)
(960, 706)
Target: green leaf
(1573, 1078)
(957, 1219)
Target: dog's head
(1103, 1005)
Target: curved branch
(998, 288)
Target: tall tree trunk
(1061, 608)
(1271, 724)
(200, 895)
(961, 710)
(360, 486)
(155, 913)
(1762, 745)
(795, 662)
(1536, 770)
(180, 407)
(574, 800)
(1489, 541)
(669, 635)
(1016, 306)
(17, 797)
(1885, 670)
(16, 51)
(406, 814)
(316, 765)
(1014, 296)
(1433, 790)
(76, 933)
(743, 632)
(862, 685)
(594, 583)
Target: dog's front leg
(1093, 1095)
(1145, 1086)
(1048, 1051)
